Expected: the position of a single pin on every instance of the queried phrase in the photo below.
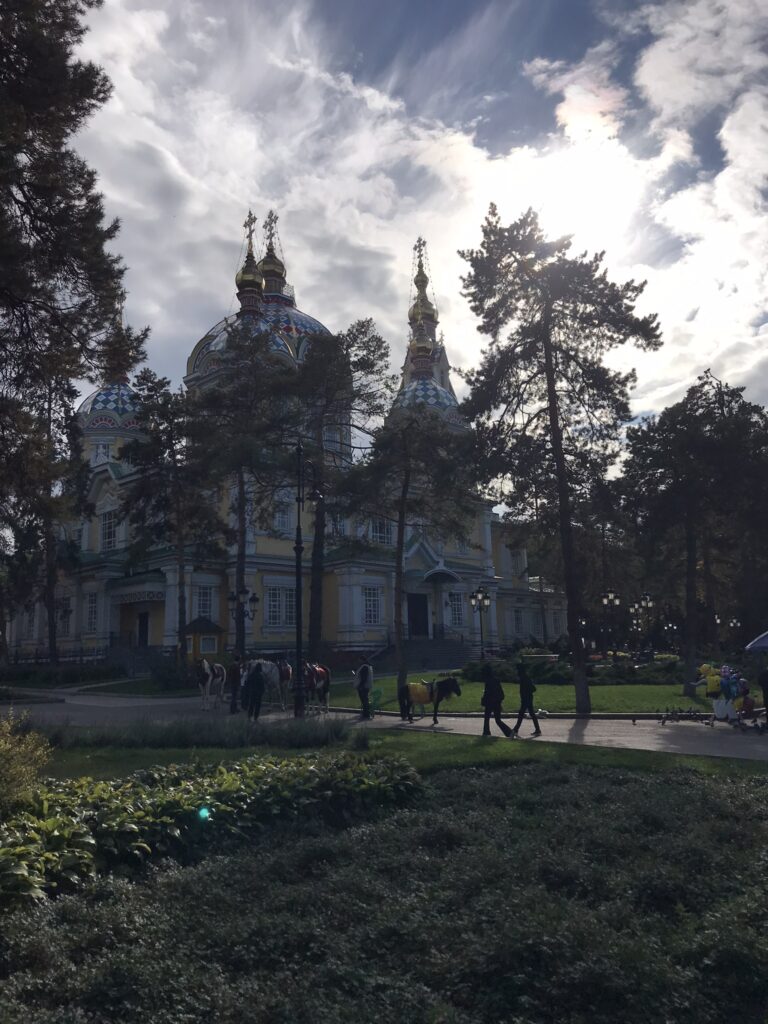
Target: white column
(171, 622)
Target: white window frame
(108, 526)
(519, 622)
(332, 439)
(29, 625)
(381, 530)
(91, 612)
(208, 645)
(279, 606)
(204, 603)
(456, 602)
(65, 616)
(373, 600)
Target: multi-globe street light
(481, 601)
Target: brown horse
(317, 683)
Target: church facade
(105, 605)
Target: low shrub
(541, 672)
(70, 674)
(173, 675)
(23, 755)
(215, 731)
(73, 831)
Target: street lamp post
(481, 602)
(646, 603)
(237, 606)
(611, 601)
(303, 467)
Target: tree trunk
(691, 610)
(240, 565)
(49, 589)
(709, 591)
(316, 580)
(3, 628)
(572, 589)
(181, 600)
(402, 667)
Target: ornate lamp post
(646, 603)
(481, 602)
(303, 468)
(237, 604)
(611, 601)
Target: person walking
(527, 690)
(253, 691)
(762, 682)
(364, 685)
(492, 700)
(233, 679)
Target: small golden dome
(422, 308)
(249, 275)
(270, 265)
(421, 343)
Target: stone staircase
(426, 656)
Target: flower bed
(73, 831)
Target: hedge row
(60, 675)
(76, 830)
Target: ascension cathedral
(107, 608)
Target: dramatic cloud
(651, 144)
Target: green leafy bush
(23, 755)
(75, 830)
(534, 894)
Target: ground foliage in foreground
(73, 831)
(529, 895)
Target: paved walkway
(679, 738)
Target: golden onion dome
(249, 274)
(421, 343)
(271, 266)
(422, 308)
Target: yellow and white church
(106, 608)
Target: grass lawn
(427, 752)
(605, 697)
(534, 893)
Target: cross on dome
(248, 224)
(270, 228)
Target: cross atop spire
(419, 249)
(248, 224)
(270, 229)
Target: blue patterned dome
(426, 391)
(110, 407)
(288, 329)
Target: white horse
(211, 681)
(274, 677)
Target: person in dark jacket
(253, 691)
(233, 680)
(492, 699)
(526, 701)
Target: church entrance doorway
(418, 616)
(142, 629)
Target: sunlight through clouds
(211, 115)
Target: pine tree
(343, 390)
(552, 318)
(419, 470)
(170, 501)
(60, 287)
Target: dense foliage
(23, 755)
(72, 831)
(531, 895)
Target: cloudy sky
(641, 129)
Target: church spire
(249, 281)
(422, 308)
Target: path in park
(82, 708)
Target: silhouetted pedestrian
(527, 690)
(492, 700)
(364, 685)
(233, 678)
(253, 691)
